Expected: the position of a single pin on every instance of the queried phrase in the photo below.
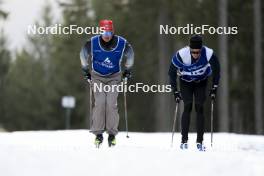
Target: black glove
(127, 74)
(86, 74)
(177, 96)
(213, 92)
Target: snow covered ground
(72, 153)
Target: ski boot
(111, 140)
(98, 140)
(184, 146)
(200, 147)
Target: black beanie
(196, 42)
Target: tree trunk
(223, 57)
(163, 99)
(258, 67)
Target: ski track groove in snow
(72, 153)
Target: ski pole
(91, 101)
(174, 122)
(212, 119)
(125, 104)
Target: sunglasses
(107, 34)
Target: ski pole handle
(89, 81)
(125, 80)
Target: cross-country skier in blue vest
(106, 52)
(194, 64)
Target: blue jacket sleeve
(173, 76)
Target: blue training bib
(107, 62)
(198, 71)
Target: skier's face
(107, 35)
(107, 38)
(195, 53)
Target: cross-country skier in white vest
(106, 52)
(194, 64)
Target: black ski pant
(190, 90)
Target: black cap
(196, 42)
